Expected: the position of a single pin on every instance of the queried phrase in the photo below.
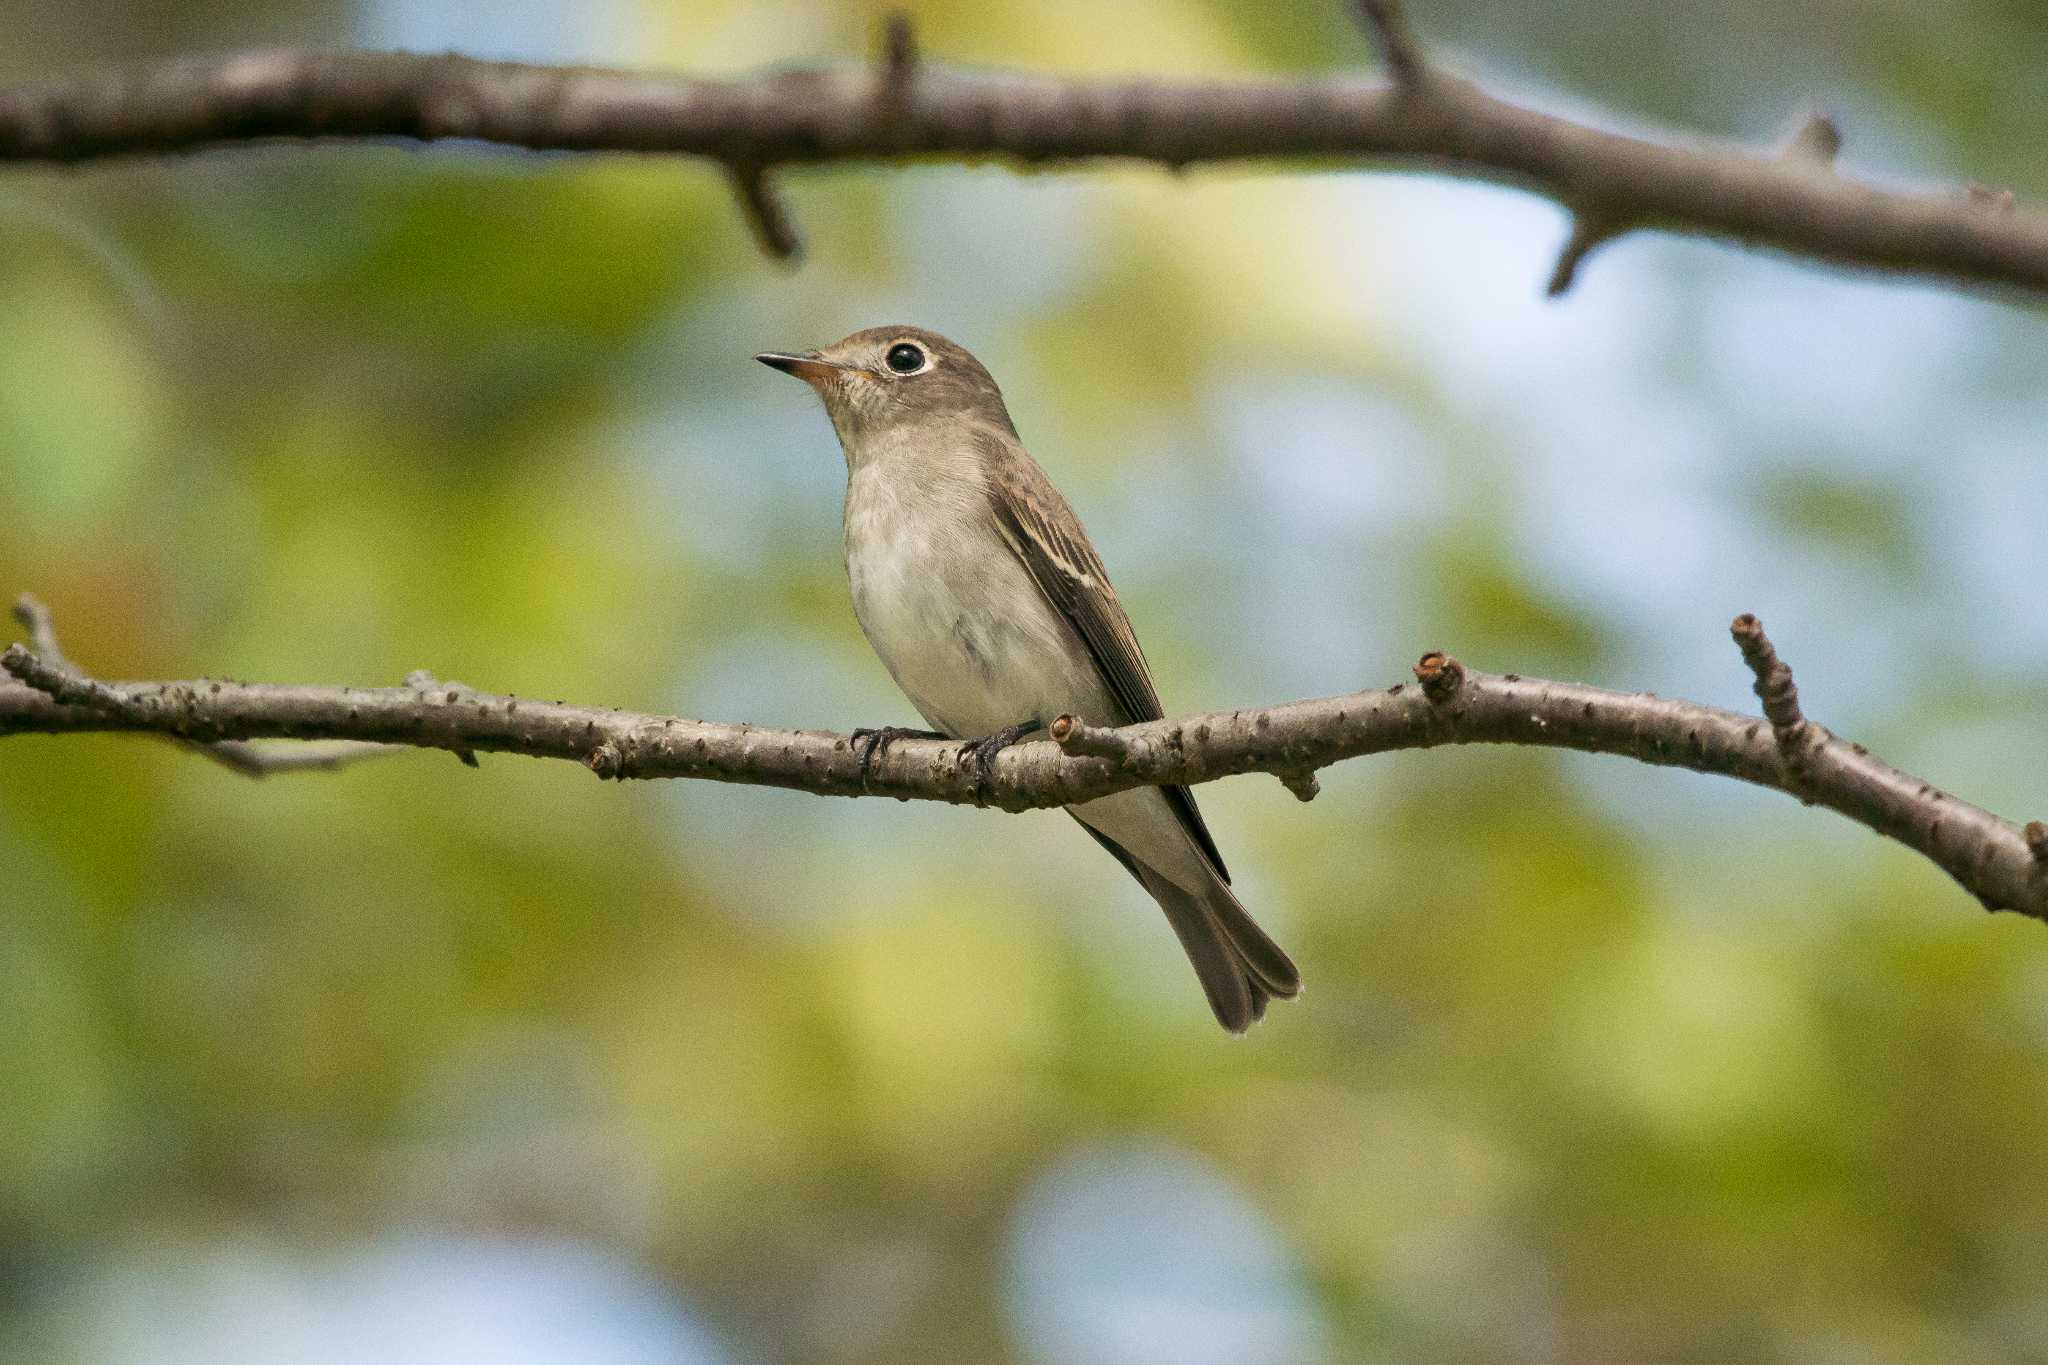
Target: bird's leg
(873, 742)
(984, 750)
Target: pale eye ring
(905, 358)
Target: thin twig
(1994, 858)
(1587, 235)
(1079, 739)
(1774, 686)
(258, 760)
(792, 116)
(35, 618)
(1779, 694)
(765, 211)
(54, 674)
(899, 56)
(1387, 22)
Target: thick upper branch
(1990, 856)
(907, 108)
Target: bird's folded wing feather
(1047, 537)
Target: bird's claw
(873, 742)
(983, 752)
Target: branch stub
(1440, 675)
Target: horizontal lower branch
(1793, 200)
(2005, 866)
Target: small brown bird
(976, 585)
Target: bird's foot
(984, 750)
(872, 743)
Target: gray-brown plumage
(976, 585)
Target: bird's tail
(1240, 967)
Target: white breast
(953, 615)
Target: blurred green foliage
(1593, 1064)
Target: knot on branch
(1816, 142)
(1303, 782)
(425, 683)
(606, 761)
(1440, 675)
(1998, 201)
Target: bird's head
(885, 378)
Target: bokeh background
(1596, 1063)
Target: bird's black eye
(905, 358)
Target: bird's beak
(809, 367)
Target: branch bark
(1792, 200)
(250, 760)
(2004, 865)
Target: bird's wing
(1047, 537)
